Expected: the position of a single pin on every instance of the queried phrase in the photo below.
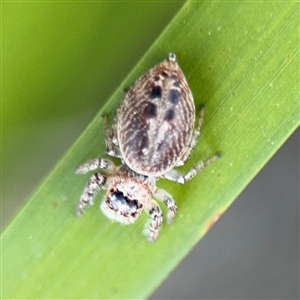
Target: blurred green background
(60, 63)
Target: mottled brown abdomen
(156, 119)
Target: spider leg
(174, 175)
(168, 200)
(153, 226)
(94, 164)
(90, 191)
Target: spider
(153, 133)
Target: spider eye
(118, 202)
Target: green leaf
(241, 60)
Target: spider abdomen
(155, 121)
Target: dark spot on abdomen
(174, 96)
(170, 114)
(149, 110)
(156, 92)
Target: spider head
(121, 207)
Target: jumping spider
(152, 134)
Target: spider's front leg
(96, 181)
(90, 191)
(98, 163)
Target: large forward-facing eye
(118, 202)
